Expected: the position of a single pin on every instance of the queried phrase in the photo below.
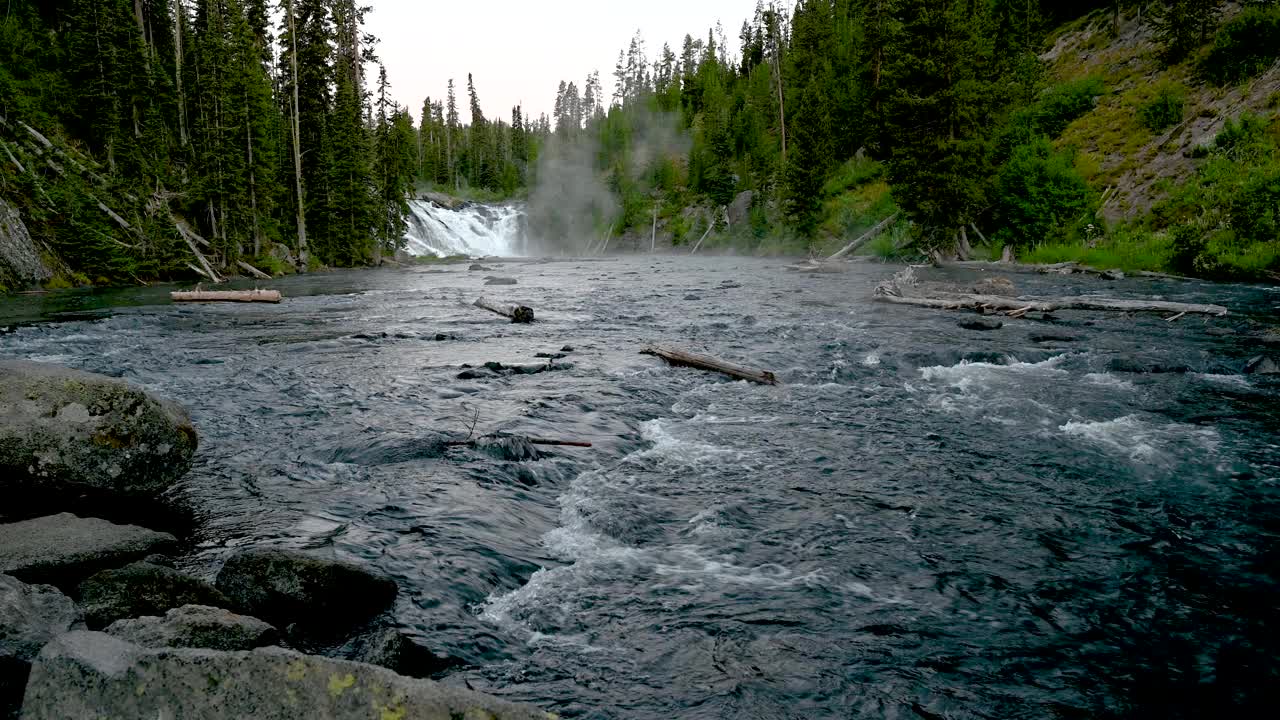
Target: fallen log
(517, 313)
(865, 238)
(900, 290)
(531, 440)
(704, 237)
(242, 296)
(680, 358)
(252, 270)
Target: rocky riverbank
(96, 622)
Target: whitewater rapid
(472, 229)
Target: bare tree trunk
(653, 239)
(965, 251)
(303, 260)
(178, 11)
(782, 107)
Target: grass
(1129, 249)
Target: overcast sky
(520, 50)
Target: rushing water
(471, 229)
(921, 522)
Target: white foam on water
(1231, 380)
(594, 557)
(1109, 380)
(1140, 440)
(967, 375)
(871, 360)
(475, 230)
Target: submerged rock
(30, 616)
(1262, 365)
(142, 589)
(64, 433)
(288, 586)
(500, 281)
(391, 649)
(92, 675)
(197, 626)
(64, 549)
(980, 324)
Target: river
(922, 521)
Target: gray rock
(1112, 275)
(392, 649)
(142, 589)
(477, 267)
(287, 586)
(20, 263)
(91, 675)
(740, 209)
(1262, 365)
(30, 616)
(980, 324)
(64, 549)
(500, 281)
(197, 626)
(1053, 338)
(66, 432)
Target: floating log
(680, 358)
(901, 290)
(865, 238)
(517, 313)
(243, 296)
(252, 270)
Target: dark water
(922, 522)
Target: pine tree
(809, 75)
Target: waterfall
(471, 229)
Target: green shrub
(1039, 196)
(1163, 111)
(1243, 47)
(1254, 211)
(1241, 138)
(1060, 105)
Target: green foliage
(1058, 106)
(1244, 46)
(1183, 25)
(1039, 196)
(1163, 111)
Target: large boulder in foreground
(64, 549)
(91, 675)
(142, 589)
(196, 626)
(288, 586)
(65, 433)
(30, 616)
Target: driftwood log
(243, 296)
(680, 358)
(252, 270)
(517, 313)
(902, 289)
(531, 440)
(865, 238)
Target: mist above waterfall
(471, 229)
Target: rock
(283, 254)
(92, 675)
(63, 549)
(739, 210)
(66, 432)
(567, 349)
(1112, 275)
(391, 649)
(1001, 286)
(477, 267)
(1219, 332)
(30, 616)
(197, 626)
(980, 324)
(20, 263)
(549, 356)
(287, 586)
(142, 589)
(1053, 338)
(1139, 367)
(500, 281)
(1262, 365)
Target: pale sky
(520, 51)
